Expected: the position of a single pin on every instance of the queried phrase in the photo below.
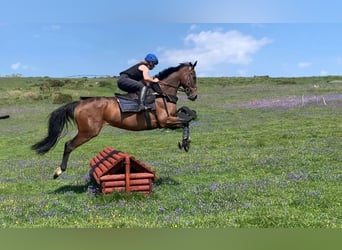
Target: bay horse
(92, 114)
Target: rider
(136, 78)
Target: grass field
(265, 153)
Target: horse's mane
(166, 72)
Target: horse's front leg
(186, 115)
(174, 122)
(185, 143)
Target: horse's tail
(59, 118)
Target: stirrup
(143, 107)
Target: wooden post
(127, 172)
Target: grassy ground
(265, 152)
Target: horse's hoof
(57, 173)
(184, 145)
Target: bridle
(189, 86)
(188, 89)
(180, 87)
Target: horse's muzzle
(191, 93)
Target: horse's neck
(172, 84)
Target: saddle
(129, 102)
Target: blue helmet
(151, 58)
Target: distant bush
(68, 82)
(105, 84)
(59, 98)
(32, 95)
(286, 81)
(55, 83)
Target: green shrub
(59, 98)
(55, 83)
(103, 83)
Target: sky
(68, 38)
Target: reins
(169, 85)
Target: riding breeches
(129, 85)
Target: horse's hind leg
(69, 146)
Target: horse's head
(188, 81)
(182, 77)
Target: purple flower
(213, 187)
(179, 210)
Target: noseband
(189, 89)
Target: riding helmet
(151, 58)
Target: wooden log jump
(117, 171)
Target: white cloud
(212, 48)
(324, 72)
(19, 65)
(304, 64)
(193, 27)
(16, 66)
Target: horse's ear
(194, 65)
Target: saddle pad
(131, 105)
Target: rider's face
(151, 66)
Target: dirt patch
(13, 110)
(293, 102)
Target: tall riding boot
(141, 100)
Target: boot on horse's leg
(185, 143)
(141, 99)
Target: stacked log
(103, 162)
(138, 182)
(116, 171)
